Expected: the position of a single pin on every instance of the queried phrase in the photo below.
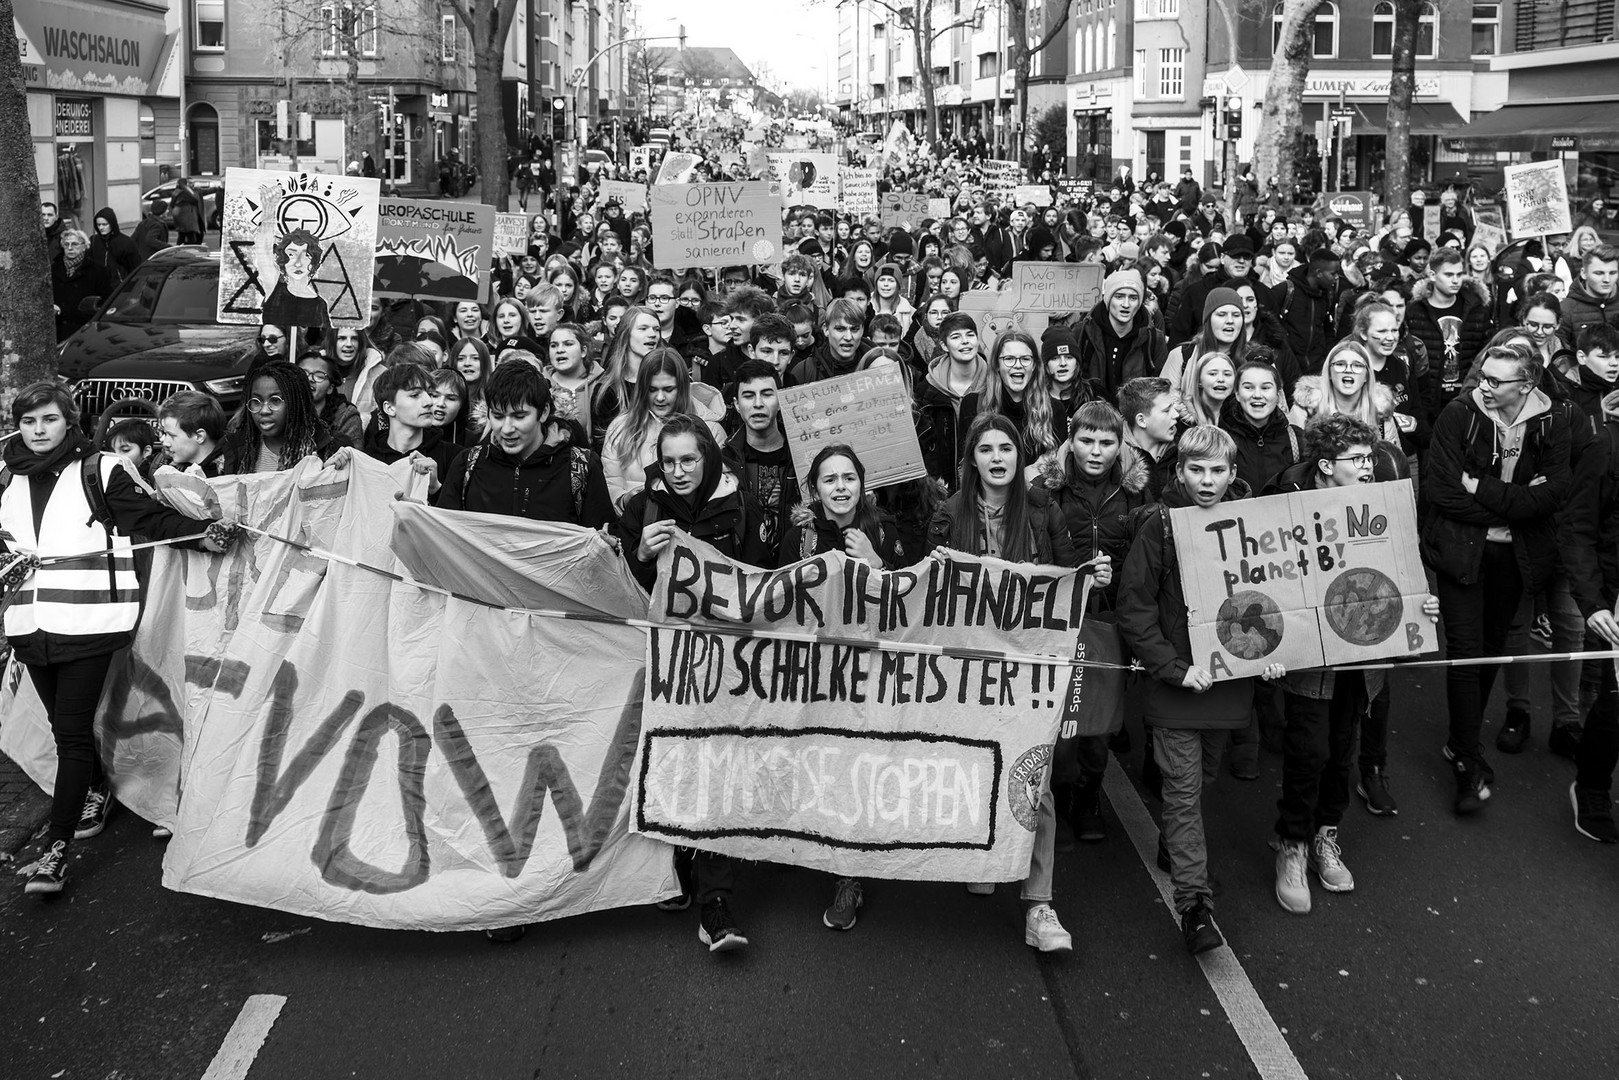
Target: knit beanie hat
(1128, 278)
(1219, 298)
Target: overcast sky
(758, 31)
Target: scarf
(72, 264)
(22, 461)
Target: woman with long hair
(1205, 386)
(1344, 386)
(639, 332)
(351, 350)
(1255, 416)
(1017, 389)
(571, 373)
(510, 328)
(601, 281)
(840, 515)
(663, 388)
(862, 259)
(887, 297)
(1539, 315)
(470, 359)
(279, 425)
(1377, 328)
(926, 282)
(631, 284)
(1221, 332)
(566, 280)
(925, 340)
(331, 406)
(994, 513)
(1261, 328)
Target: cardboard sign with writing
(869, 410)
(903, 209)
(641, 160)
(1430, 223)
(676, 168)
(1001, 179)
(511, 234)
(938, 208)
(712, 225)
(1055, 288)
(1491, 238)
(428, 249)
(1037, 194)
(631, 196)
(994, 314)
(1537, 199)
(859, 192)
(806, 179)
(1074, 188)
(1307, 579)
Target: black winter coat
(1308, 318)
(1046, 526)
(1588, 526)
(1452, 336)
(1262, 452)
(1143, 355)
(1099, 516)
(730, 519)
(540, 487)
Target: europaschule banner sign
(353, 747)
(861, 749)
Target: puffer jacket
(1307, 315)
(1143, 356)
(1583, 309)
(1452, 336)
(810, 532)
(1262, 452)
(1098, 515)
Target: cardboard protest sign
(1311, 578)
(631, 196)
(1038, 194)
(806, 179)
(641, 160)
(428, 249)
(1001, 179)
(511, 234)
(1490, 237)
(994, 314)
(1430, 223)
(676, 168)
(902, 209)
(1073, 188)
(868, 410)
(1055, 288)
(859, 192)
(867, 760)
(1537, 199)
(711, 225)
(297, 249)
(938, 208)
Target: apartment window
(1085, 49)
(446, 39)
(987, 65)
(877, 32)
(545, 25)
(1171, 73)
(1141, 73)
(1158, 9)
(1325, 43)
(1383, 31)
(334, 32)
(209, 30)
(1486, 29)
(955, 72)
(1428, 33)
(1112, 44)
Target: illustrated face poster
(299, 248)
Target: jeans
(1568, 635)
(1188, 759)
(1477, 618)
(1043, 859)
(71, 691)
(1599, 746)
(1317, 750)
(1374, 732)
(704, 874)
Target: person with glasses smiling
(1496, 474)
(677, 323)
(272, 344)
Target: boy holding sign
(1189, 713)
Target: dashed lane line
(245, 1038)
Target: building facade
(1100, 90)
(104, 93)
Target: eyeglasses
(691, 301)
(1360, 461)
(318, 376)
(258, 405)
(1348, 365)
(1017, 361)
(660, 299)
(682, 464)
(1540, 327)
(1495, 384)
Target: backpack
(578, 474)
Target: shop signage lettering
(73, 118)
(94, 48)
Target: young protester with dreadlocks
(280, 425)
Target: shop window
(208, 30)
(270, 146)
(1486, 29)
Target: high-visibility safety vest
(95, 594)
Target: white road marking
(1266, 1045)
(245, 1038)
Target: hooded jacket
(150, 236)
(1452, 336)
(1582, 309)
(434, 446)
(1155, 625)
(721, 514)
(1584, 389)
(539, 487)
(115, 254)
(1307, 315)
(810, 532)
(1588, 524)
(769, 483)
(1097, 513)
(1469, 438)
(942, 409)
(820, 364)
(1186, 303)
(1144, 351)
(1047, 529)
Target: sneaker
(1485, 773)
(504, 934)
(981, 888)
(50, 872)
(1042, 930)
(1119, 741)
(1087, 821)
(1471, 790)
(1292, 886)
(1564, 740)
(1326, 859)
(1198, 930)
(717, 929)
(93, 817)
(1374, 788)
(845, 905)
(162, 832)
(1593, 814)
(1514, 734)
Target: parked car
(155, 336)
(210, 189)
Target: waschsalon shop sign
(105, 48)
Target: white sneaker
(1326, 859)
(1292, 885)
(1042, 930)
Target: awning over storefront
(1427, 118)
(1587, 125)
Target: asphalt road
(1482, 948)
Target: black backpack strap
(578, 478)
(473, 457)
(95, 493)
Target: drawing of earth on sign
(1249, 626)
(801, 175)
(1363, 606)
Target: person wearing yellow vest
(66, 617)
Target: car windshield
(167, 295)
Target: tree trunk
(1017, 53)
(27, 323)
(1232, 160)
(1283, 119)
(922, 36)
(488, 27)
(352, 97)
(1402, 87)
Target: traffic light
(1234, 119)
(559, 119)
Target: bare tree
(917, 17)
(1276, 143)
(1402, 87)
(642, 74)
(488, 26)
(27, 327)
(1022, 47)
